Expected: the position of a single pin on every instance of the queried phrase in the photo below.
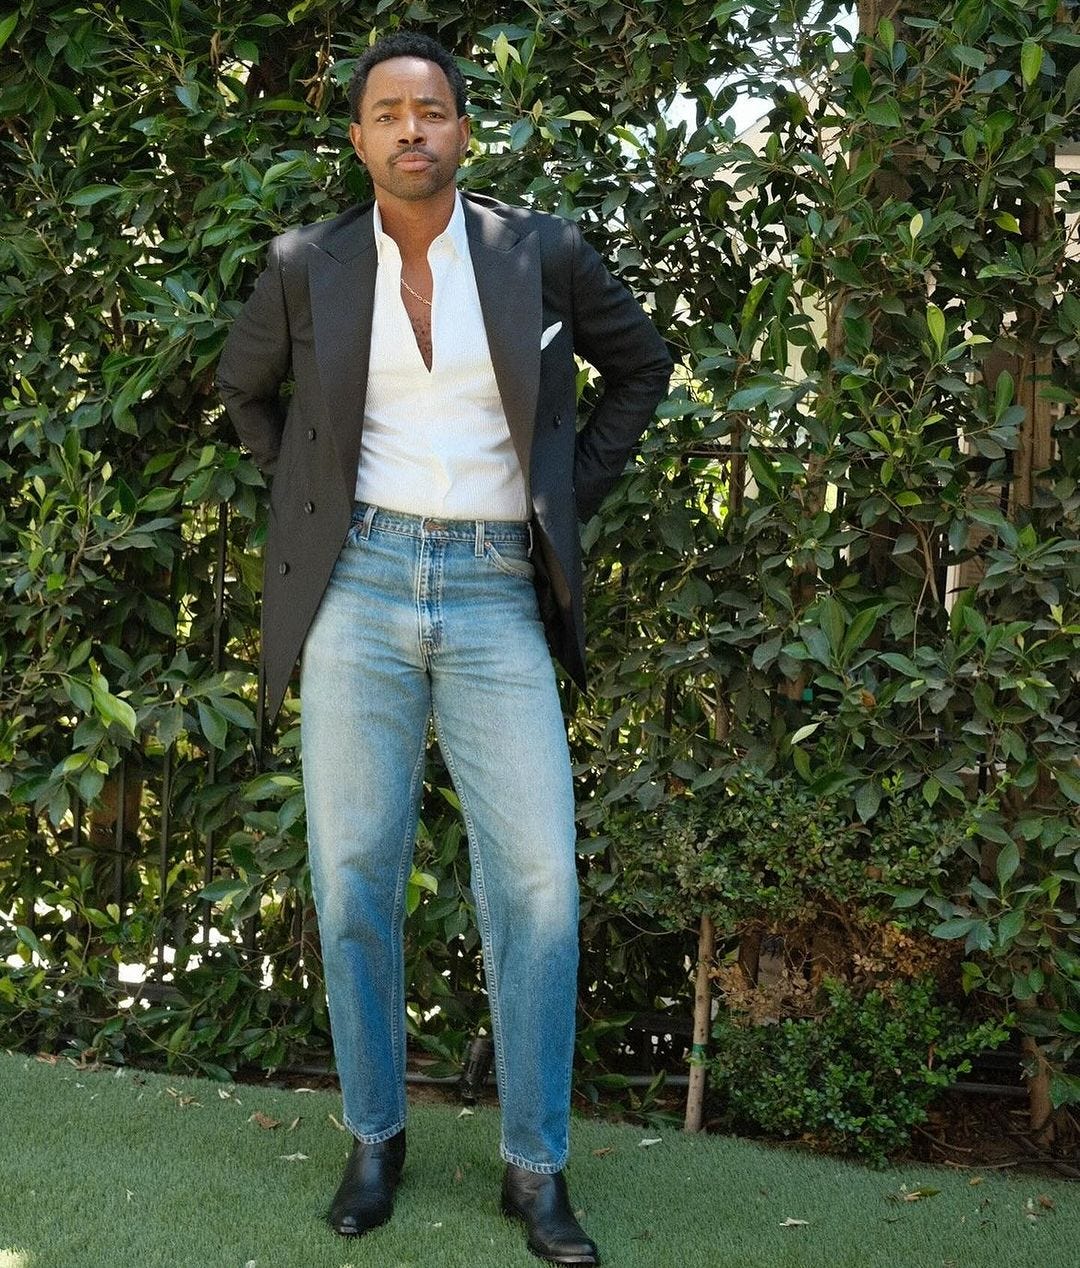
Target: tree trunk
(695, 1095)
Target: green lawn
(104, 1169)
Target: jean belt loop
(528, 525)
(369, 515)
(479, 550)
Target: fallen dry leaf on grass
(790, 1223)
(916, 1195)
(603, 1153)
(182, 1099)
(264, 1120)
(293, 1157)
(339, 1126)
(649, 1140)
(1037, 1208)
(912, 1195)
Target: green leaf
(1068, 780)
(1031, 59)
(223, 889)
(845, 270)
(901, 663)
(424, 880)
(956, 927)
(7, 25)
(804, 731)
(935, 323)
(762, 469)
(1008, 861)
(1072, 86)
(502, 50)
(1009, 926)
(111, 709)
(748, 397)
(276, 171)
(1064, 1089)
(968, 56)
(884, 114)
(91, 194)
(867, 801)
(833, 621)
(990, 82)
(212, 724)
(909, 898)
(521, 134)
(29, 940)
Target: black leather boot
(543, 1203)
(365, 1196)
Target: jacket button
(311, 433)
(309, 507)
(557, 421)
(283, 569)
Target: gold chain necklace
(415, 294)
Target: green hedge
(877, 324)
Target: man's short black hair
(404, 44)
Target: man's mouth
(413, 161)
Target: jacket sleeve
(255, 362)
(612, 333)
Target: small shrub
(857, 1077)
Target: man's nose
(412, 128)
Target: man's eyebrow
(384, 102)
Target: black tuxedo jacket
(309, 320)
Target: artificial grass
(107, 1169)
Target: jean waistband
(366, 517)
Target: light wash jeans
(422, 620)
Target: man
(427, 480)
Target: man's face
(409, 136)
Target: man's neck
(414, 226)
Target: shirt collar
(455, 235)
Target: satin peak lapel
(342, 288)
(508, 282)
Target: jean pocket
(505, 561)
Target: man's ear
(356, 136)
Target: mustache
(413, 150)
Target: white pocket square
(549, 334)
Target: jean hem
(372, 1138)
(537, 1168)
